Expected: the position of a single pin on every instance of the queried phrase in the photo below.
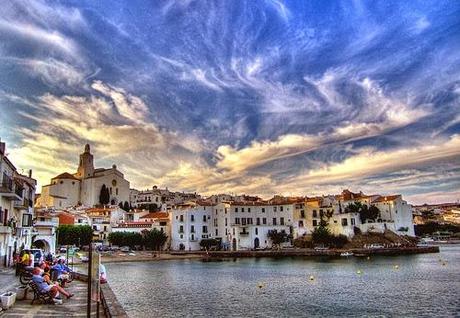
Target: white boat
(346, 254)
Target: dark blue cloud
(236, 72)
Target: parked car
(38, 256)
(125, 249)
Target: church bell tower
(86, 165)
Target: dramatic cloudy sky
(260, 97)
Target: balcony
(244, 233)
(45, 224)
(22, 204)
(8, 189)
(5, 229)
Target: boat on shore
(346, 254)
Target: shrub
(208, 243)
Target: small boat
(84, 259)
(346, 254)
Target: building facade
(84, 186)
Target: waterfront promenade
(74, 307)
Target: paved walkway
(73, 307)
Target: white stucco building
(84, 186)
(17, 194)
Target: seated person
(30, 261)
(41, 284)
(46, 277)
(62, 271)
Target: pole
(88, 301)
(97, 309)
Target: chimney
(30, 173)
(2, 148)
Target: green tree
(104, 195)
(154, 239)
(74, 234)
(208, 243)
(365, 213)
(125, 206)
(277, 237)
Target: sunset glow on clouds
(266, 97)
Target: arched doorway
(41, 244)
(234, 244)
(256, 242)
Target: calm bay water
(419, 287)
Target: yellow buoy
(312, 277)
(261, 285)
(359, 272)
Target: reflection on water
(413, 285)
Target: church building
(84, 186)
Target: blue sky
(260, 97)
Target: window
(302, 214)
(274, 221)
(205, 229)
(226, 222)
(281, 221)
(263, 210)
(344, 222)
(315, 222)
(242, 209)
(73, 182)
(257, 231)
(192, 218)
(61, 182)
(116, 191)
(204, 218)
(264, 220)
(233, 231)
(181, 229)
(352, 221)
(110, 190)
(243, 221)
(249, 220)
(226, 232)
(217, 232)
(193, 237)
(249, 209)
(181, 218)
(162, 223)
(281, 208)
(192, 229)
(236, 209)
(181, 236)
(258, 221)
(300, 223)
(274, 209)
(315, 214)
(237, 220)
(26, 220)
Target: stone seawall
(109, 302)
(329, 252)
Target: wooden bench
(44, 297)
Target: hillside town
(102, 198)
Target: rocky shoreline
(291, 252)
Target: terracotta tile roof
(387, 198)
(156, 215)
(65, 175)
(135, 224)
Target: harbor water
(423, 285)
